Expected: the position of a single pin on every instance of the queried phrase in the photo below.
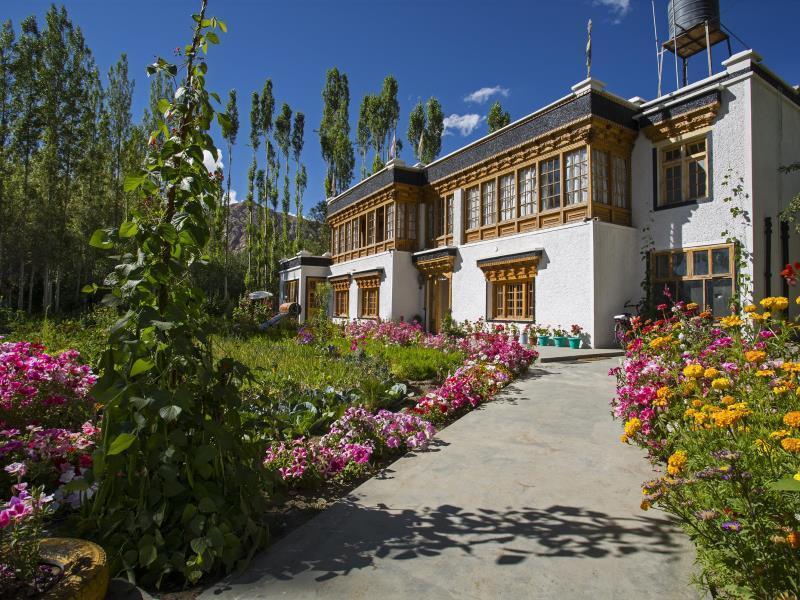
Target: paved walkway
(532, 496)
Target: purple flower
(16, 468)
(734, 526)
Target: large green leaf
(128, 229)
(133, 181)
(99, 239)
(169, 413)
(787, 484)
(141, 366)
(121, 443)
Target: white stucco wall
(385, 261)
(301, 273)
(408, 298)
(776, 142)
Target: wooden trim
(683, 162)
(510, 269)
(436, 266)
(338, 294)
(682, 124)
(368, 281)
(364, 293)
(501, 313)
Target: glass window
(411, 210)
(679, 264)
(370, 228)
(369, 302)
(527, 191)
(577, 176)
(390, 222)
(341, 302)
(401, 220)
(508, 198)
(488, 203)
(620, 166)
(710, 286)
(513, 300)
(550, 183)
(450, 214)
(684, 171)
(700, 262)
(380, 224)
(473, 208)
(599, 176)
(721, 261)
(290, 290)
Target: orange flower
(792, 419)
(755, 355)
(793, 539)
(791, 444)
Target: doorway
(438, 301)
(313, 299)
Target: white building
(565, 215)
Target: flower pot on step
(560, 342)
(542, 340)
(575, 342)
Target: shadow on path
(349, 537)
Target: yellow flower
(721, 383)
(765, 373)
(632, 426)
(791, 444)
(797, 300)
(697, 403)
(727, 400)
(677, 461)
(792, 419)
(623, 438)
(691, 306)
(663, 395)
(755, 355)
(767, 302)
(731, 321)
(693, 370)
(779, 434)
(750, 308)
(796, 476)
(793, 539)
(710, 373)
(726, 418)
(780, 303)
(759, 317)
(645, 505)
(660, 342)
(780, 389)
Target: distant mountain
(238, 239)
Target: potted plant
(560, 337)
(575, 332)
(542, 335)
(525, 335)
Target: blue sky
(525, 53)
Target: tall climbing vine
(176, 477)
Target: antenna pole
(708, 50)
(675, 45)
(658, 51)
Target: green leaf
(199, 545)
(212, 37)
(170, 413)
(128, 229)
(222, 26)
(132, 182)
(787, 484)
(99, 240)
(206, 505)
(89, 289)
(121, 443)
(147, 555)
(141, 366)
(163, 105)
(77, 485)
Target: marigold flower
(796, 476)
(791, 444)
(645, 505)
(792, 419)
(727, 400)
(710, 373)
(693, 370)
(750, 308)
(779, 434)
(755, 355)
(632, 426)
(767, 302)
(765, 373)
(721, 383)
(731, 321)
(697, 403)
(677, 462)
(780, 389)
(759, 316)
(793, 539)
(691, 306)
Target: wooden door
(312, 297)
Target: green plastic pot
(561, 342)
(575, 342)
(542, 340)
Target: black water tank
(690, 13)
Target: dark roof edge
(305, 261)
(532, 253)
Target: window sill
(681, 204)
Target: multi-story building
(569, 213)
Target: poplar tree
(497, 118)
(363, 134)
(229, 132)
(426, 125)
(266, 124)
(6, 117)
(300, 180)
(283, 134)
(119, 97)
(255, 139)
(334, 133)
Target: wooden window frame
(552, 182)
(601, 176)
(488, 201)
(576, 174)
(473, 208)
(507, 197)
(367, 295)
(659, 280)
(531, 207)
(291, 290)
(683, 161)
(341, 303)
(513, 300)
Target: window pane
(599, 176)
(700, 262)
(620, 166)
(390, 222)
(508, 197)
(718, 294)
(720, 261)
(473, 208)
(488, 203)
(577, 177)
(691, 291)
(672, 181)
(411, 211)
(527, 191)
(697, 179)
(662, 266)
(550, 180)
(450, 214)
(679, 264)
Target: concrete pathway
(531, 496)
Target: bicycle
(623, 323)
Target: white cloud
(212, 164)
(464, 124)
(234, 197)
(482, 95)
(618, 8)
